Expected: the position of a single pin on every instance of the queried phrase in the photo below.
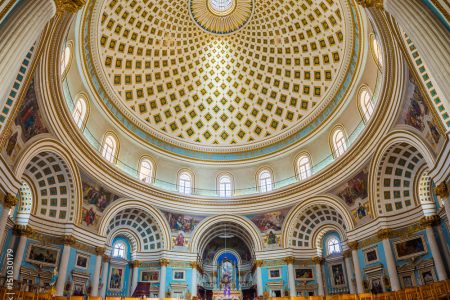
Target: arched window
(304, 167)
(333, 246)
(185, 183)
(79, 111)
(339, 143)
(109, 148)
(146, 171)
(119, 249)
(65, 58)
(225, 186)
(376, 50)
(365, 100)
(265, 181)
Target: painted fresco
(181, 227)
(27, 124)
(355, 195)
(95, 201)
(417, 113)
(270, 225)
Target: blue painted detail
(438, 14)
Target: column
(259, 283)
(8, 201)
(194, 266)
(384, 235)
(442, 191)
(428, 222)
(444, 247)
(64, 263)
(358, 276)
(105, 270)
(291, 276)
(98, 264)
(135, 277)
(349, 268)
(318, 261)
(162, 277)
(427, 33)
(24, 232)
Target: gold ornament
(71, 6)
(429, 221)
(69, 240)
(353, 245)
(384, 234)
(100, 250)
(317, 260)
(370, 3)
(442, 190)
(164, 262)
(136, 263)
(258, 263)
(289, 260)
(10, 200)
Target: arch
(66, 58)
(81, 110)
(322, 232)
(129, 204)
(209, 223)
(400, 144)
(110, 147)
(264, 180)
(225, 185)
(131, 236)
(147, 169)
(45, 143)
(27, 197)
(345, 224)
(303, 165)
(376, 50)
(338, 141)
(185, 182)
(366, 106)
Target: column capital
(442, 190)
(24, 230)
(100, 250)
(135, 263)
(384, 233)
(353, 245)
(10, 200)
(194, 265)
(429, 221)
(106, 258)
(69, 240)
(317, 260)
(164, 262)
(71, 6)
(347, 253)
(289, 260)
(371, 3)
(258, 263)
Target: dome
(170, 82)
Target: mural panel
(181, 227)
(270, 225)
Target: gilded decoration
(289, 260)
(318, 260)
(353, 245)
(385, 233)
(164, 262)
(442, 190)
(10, 200)
(371, 3)
(71, 6)
(69, 240)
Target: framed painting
(371, 255)
(427, 276)
(179, 275)
(116, 278)
(82, 261)
(304, 274)
(337, 275)
(42, 255)
(150, 276)
(410, 247)
(274, 273)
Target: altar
(233, 295)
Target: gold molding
(100, 250)
(69, 240)
(353, 245)
(10, 200)
(385, 233)
(258, 263)
(23, 230)
(429, 221)
(442, 190)
(70, 6)
(164, 262)
(289, 260)
(371, 3)
(317, 260)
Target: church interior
(224, 149)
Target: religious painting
(337, 274)
(274, 273)
(427, 276)
(184, 223)
(370, 255)
(410, 247)
(376, 286)
(179, 240)
(150, 276)
(116, 278)
(304, 274)
(178, 275)
(81, 261)
(42, 255)
(417, 113)
(271, 239)
(29, 116)
(79, 289)
(407, 281)
(269, 221)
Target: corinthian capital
(71, 6)
(10, 200)
(370, 3)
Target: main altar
(227, 275)
(232, 295)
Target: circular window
(221, 7)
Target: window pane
(304, 167)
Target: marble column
(135, 277)
(98, 265)
(358, 276)
(318, 261)
(105, 270)
(24, 232)
(9, 201)
(162, 277)
(259, 283)
(444, 247)
(430, 37)
(194, 266)
(429, 222)
(349, 268)
(384, 235)
(64, 263)
(291, 275)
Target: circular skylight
(221, 7)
